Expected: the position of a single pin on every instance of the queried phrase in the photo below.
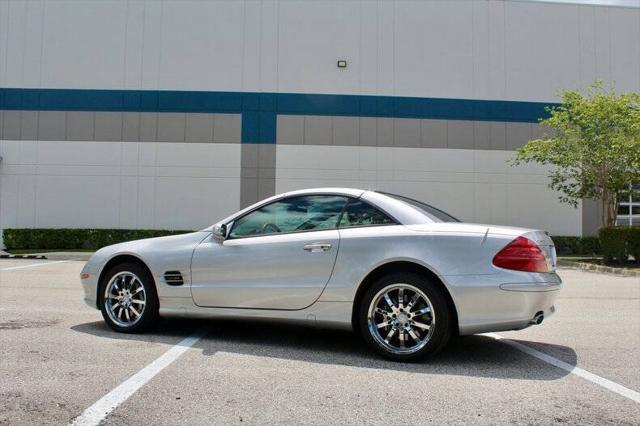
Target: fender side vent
(173, 278)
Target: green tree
(592, 147)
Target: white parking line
(105, 405)
(33, 265)
(593, 378)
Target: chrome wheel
(125, 299)
(401, 318)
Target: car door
(279, 256)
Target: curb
(22, 256)
(54, 255)
(63, 255)
(601, 269)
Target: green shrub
(633, 242)
(76, 238)
(587, 246)
(620, 242)
(615, 243)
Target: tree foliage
(592, 147)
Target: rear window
(358, 213)
(431, 212)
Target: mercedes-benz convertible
(403, 274)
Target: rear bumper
(533, 304)
(552, 286)
(500, 302)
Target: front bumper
(89, 281)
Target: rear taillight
(522, 254)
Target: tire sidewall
(441, 330)
(150, 313)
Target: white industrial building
(168, 114)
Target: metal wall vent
(173, 278)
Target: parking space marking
(101, 408)
(594, 378)
(34, 265)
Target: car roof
(327, 190)
(397, 209)
(400, 210)
(356, 193)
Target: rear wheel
(404, 317)
(128, 298)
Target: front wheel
(404, 317)
(128, 298)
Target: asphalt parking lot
(57, 358)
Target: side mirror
(220, 232)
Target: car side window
(359, 213)
(293, 214)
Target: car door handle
(317, 247)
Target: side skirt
(320, 314)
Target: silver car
(403, 274)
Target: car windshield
(431, 212)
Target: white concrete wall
(473, 185)
(481, 49)
(52, 184)
(478, 49)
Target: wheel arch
(117, 260)
(401, 266)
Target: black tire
(149, 314)
(440, 332)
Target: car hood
(148, 248)
(158, 242)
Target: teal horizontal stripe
(259, 110)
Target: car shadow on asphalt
(474, 356)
